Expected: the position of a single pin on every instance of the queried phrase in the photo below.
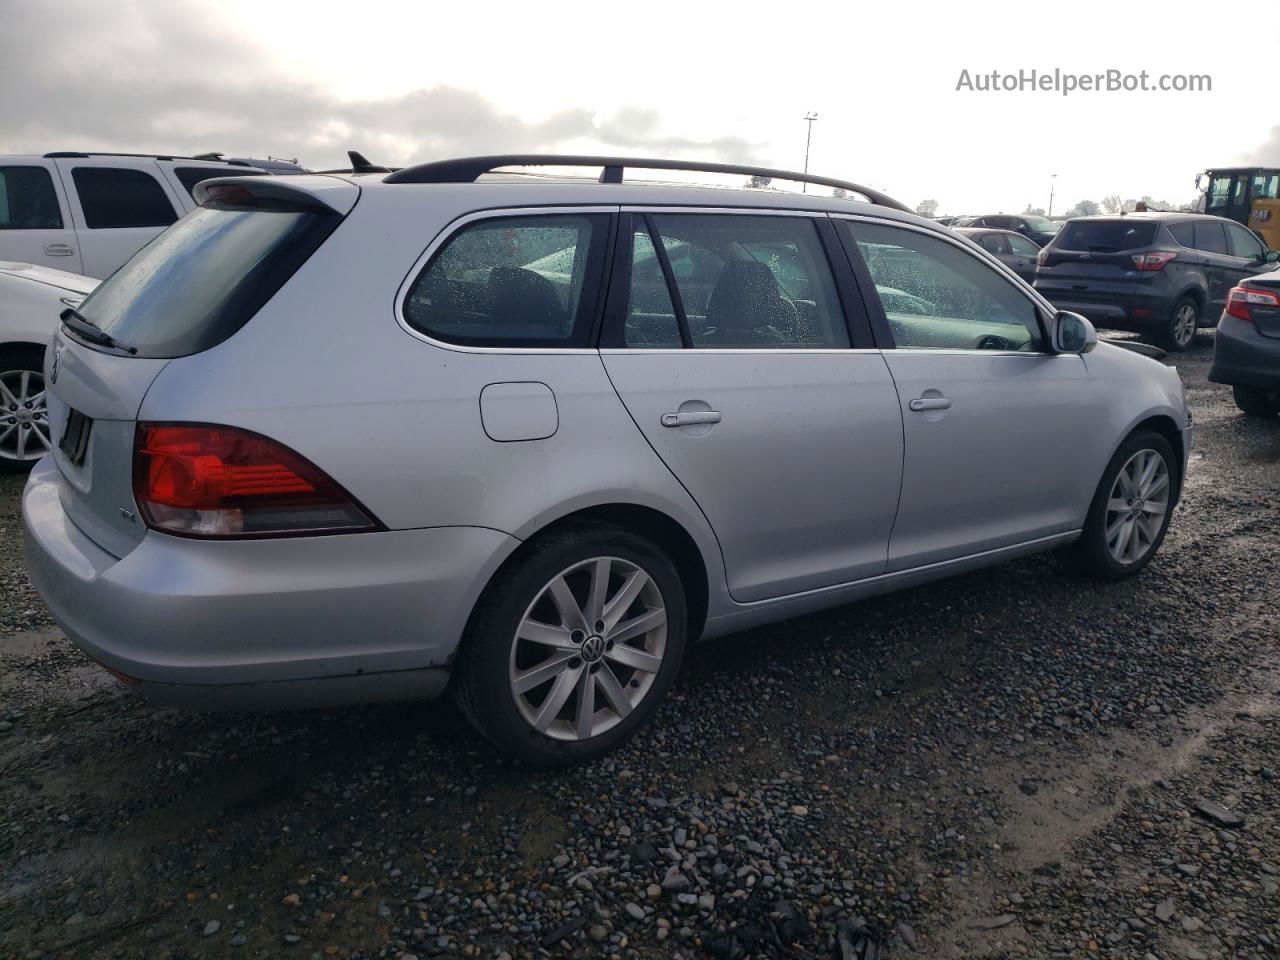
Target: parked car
(1246, 351)
(314, 451)
(1160, 274)
(1039, 229)
(1012, 249)
(87, 213)
(31, 298)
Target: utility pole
(808, 138)
(1053, 182)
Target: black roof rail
(469, 169)
(78, 155)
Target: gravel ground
(1009, 763)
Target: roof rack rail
(469, 169)
(77, 154)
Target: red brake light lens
(214, 481)
(1240, 298)
(1152, 261)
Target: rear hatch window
(1106, 236)
(201, 280)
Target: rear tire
(1254, 402)
(556, 670)
(24, 417)
(1180, 329)
(1130, 511)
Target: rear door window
(1210, 237)
(28, 200)
(1106, 236)
(114, 197)
(1184, 233)
(520, 281)
(198, 283)
(751, 281)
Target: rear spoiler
(326, 193)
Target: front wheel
(573, 648)
(1180, 330)
(1130, 512)
(1253, 402)
(24, 417)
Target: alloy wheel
(1184, 325)
(1137, 506)
(588, 649)
(24, 417)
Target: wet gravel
(1009, 763)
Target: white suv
(90, 212)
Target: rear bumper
(1244, 357)
(262, 624)
(1115, 310)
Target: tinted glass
(1210, 237)
(1243, 242)
(198, 283)
(994, 242)
(1218, 194)
(1106, 236)
(749, 281)
(938, 296)
(111, 197)
(1265, 185)
(27, 200)
(1022, 246)
(512, 281)
(190, 176)
(1041, 224)
(651, 316)
(1184, 233)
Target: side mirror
(1271, 256)
(1071, 333)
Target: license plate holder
(75, 437)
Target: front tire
(1253, 402)
(1130, 512)
(573, 648)
(24, 416)
(1180, 330)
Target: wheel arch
(1167, 427)
(648, 522)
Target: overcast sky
(416, 81)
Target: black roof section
(470, 169)
(76, 154)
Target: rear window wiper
(88, 330)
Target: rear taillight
(214, 481)
(1151, 261)
(1241, 298)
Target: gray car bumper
(1244, 357)
(262, 624)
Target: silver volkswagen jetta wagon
(367, 437)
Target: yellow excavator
(1248, 195)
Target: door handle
(59, 249)
(929, 403)
(691, 418)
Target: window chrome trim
(1044, 309)
(451, 230)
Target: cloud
(163, 78)
(1267, 154)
